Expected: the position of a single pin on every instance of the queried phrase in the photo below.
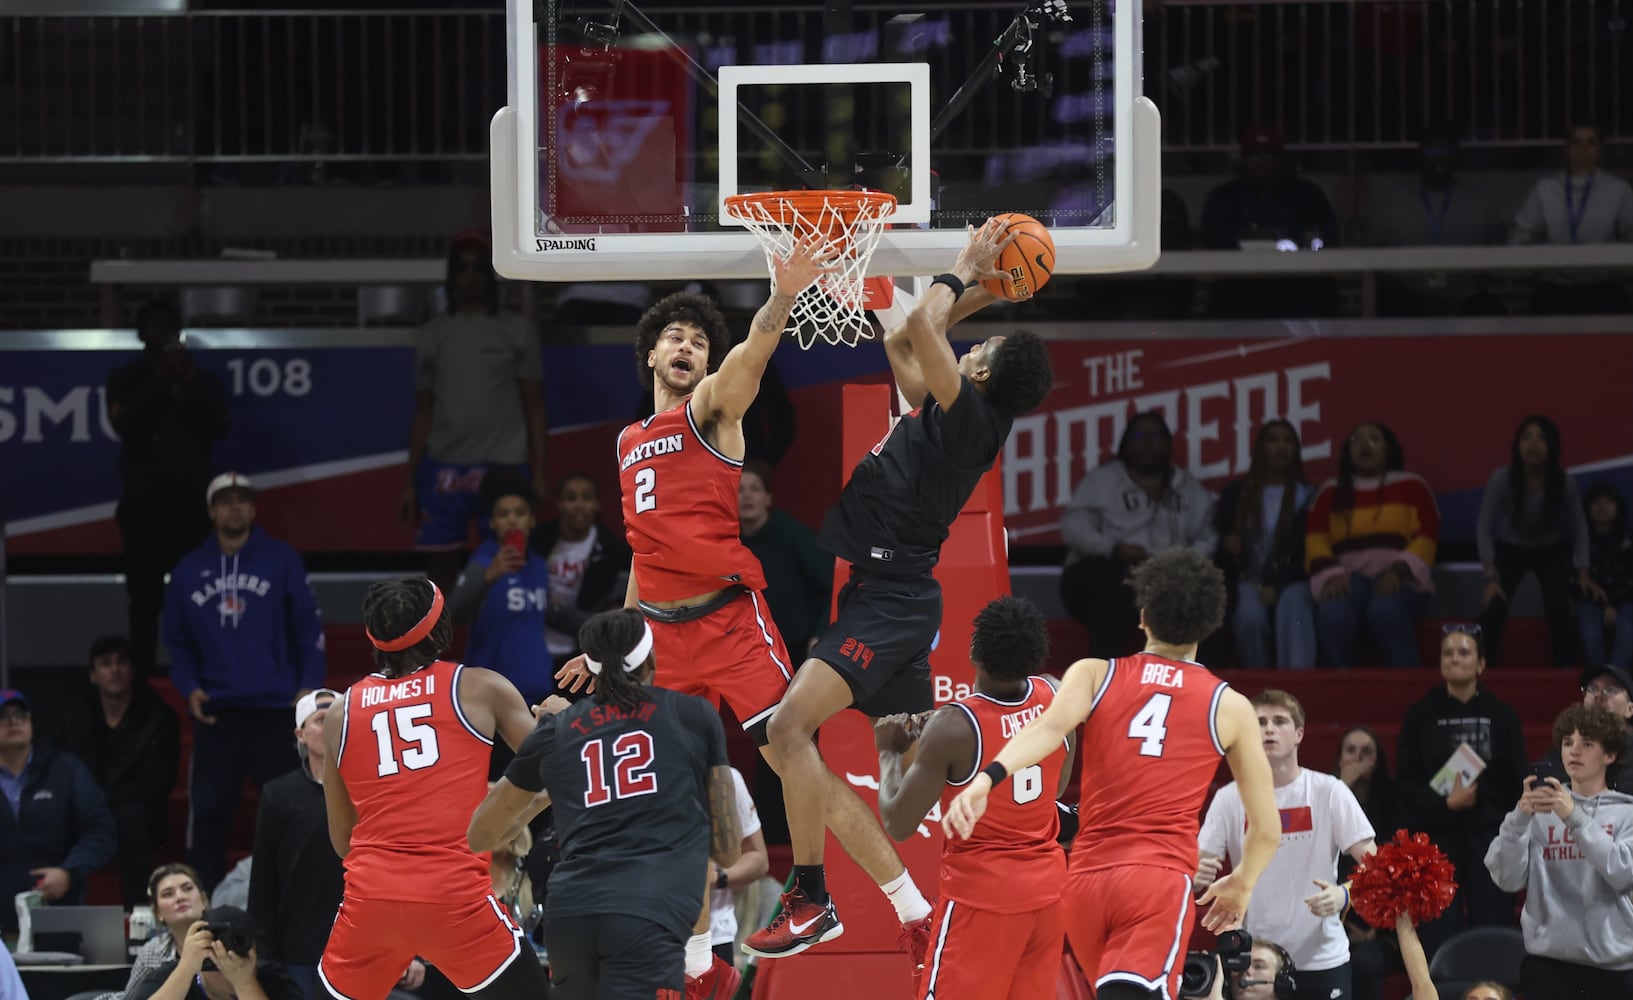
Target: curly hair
(1011, 639)
(1020, 376)
(1591, 722)
(681, 307)
(1182, 595)
(607, 638)
(390, 609)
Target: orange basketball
(1028, 262)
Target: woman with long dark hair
(1369, 544)
(1532, 522)
(1260, 518)
(1610, 569)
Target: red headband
(414, 635)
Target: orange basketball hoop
(834, 308)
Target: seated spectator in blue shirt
(56, 826)
(504, 592)
(1260, 519)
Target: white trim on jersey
(1213, 716)
(515, 949)
(1160, 986)
(765, 633)
(1045, 678)
(1105, 684)
(691, 422)
(328, 985)
(1008, 704)
(345, 725)
(980, 749)
(459, 710)
(941, 944)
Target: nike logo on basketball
(1042, 264)
(802, 928)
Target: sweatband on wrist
(953, 283)
(995, 772)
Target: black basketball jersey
(903, 496)
(630, 793)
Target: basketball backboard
(630, 121)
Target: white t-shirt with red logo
(1320, 820)
(567, 562)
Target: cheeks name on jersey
(413, 687)
(1014, 722)
(666, 445)
(602, 715)
(1163, 675)
(244, 583)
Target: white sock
(698, 955)
(905, 896)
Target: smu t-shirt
(567, 562)
(1320, 819)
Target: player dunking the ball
(1157, 724)
(408, 760)
(691, 575)
(998, 928)
(889, 524)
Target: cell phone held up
(516, 539)
(1542, 770)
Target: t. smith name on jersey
(243, 583)
(601, 715)
(666, 445)
(411, 687)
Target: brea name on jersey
(243, 583)
(1014, 722)
(412, 687)
(1163, 675)
(666, 445)
(602, 715)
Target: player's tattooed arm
(725, 828)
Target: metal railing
(323, 86)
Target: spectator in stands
(1321, 820)
(1267, 203)
(1581, 205)
(751, 866)
(478, 404)
(204, 969)
(504, 591)
(1610, 570)
(130, 739)
(246, 643)
(1532, 522)
(1442, 211)
(1369, 545)
(1461, 729)
(178, 901)
(1266, 962)
(1260, 521)
(56, 826)
(1608, 688)
(1363, 766)
(168, 414)
(1571, 850)
(799, 576)
(1132, 507)
(589, 565)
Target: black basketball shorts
(611, 956)
(881, 641)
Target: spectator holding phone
(503, 594)
(217, 961)
(1569, 845)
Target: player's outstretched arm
(337, 800)
(725, 826)
(499, 819)
(731, 389)
(1041, 737)
(926, 326)
(1238, 728)
(940, 744)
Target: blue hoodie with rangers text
(244, 627)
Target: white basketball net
(834, 307)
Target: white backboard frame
(1130, 243)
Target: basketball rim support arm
(1014, 46)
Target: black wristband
(996, 772)
(952, 282)
(721, 879)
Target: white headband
(633, 659)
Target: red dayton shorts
(733, 653)
(976, 954)
(1129, 924)
(373, 941)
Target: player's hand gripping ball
(1027, 263)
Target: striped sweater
(1393, 520)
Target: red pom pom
(1405, 875)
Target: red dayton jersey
(1154, 750)
(1011, 862)
(680, 509)
(416, 771)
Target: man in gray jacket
(1571, 849)
(1128, 509)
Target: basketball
(1028, 262)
